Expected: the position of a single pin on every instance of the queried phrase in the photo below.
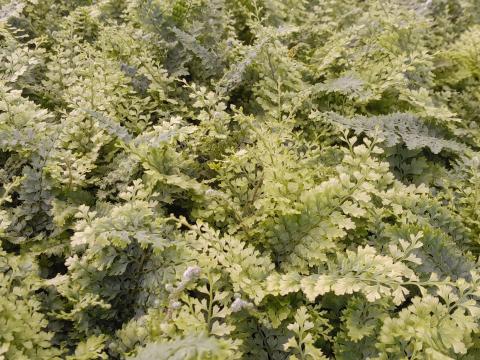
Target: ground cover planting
(239, 179)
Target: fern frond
(396, 129)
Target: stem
(210, 303)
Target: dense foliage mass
(239, 179)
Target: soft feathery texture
(239, 179)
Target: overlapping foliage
(239, 179)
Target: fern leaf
(398, 128)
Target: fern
(192, 348)
(398, 128)
(173, 183)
